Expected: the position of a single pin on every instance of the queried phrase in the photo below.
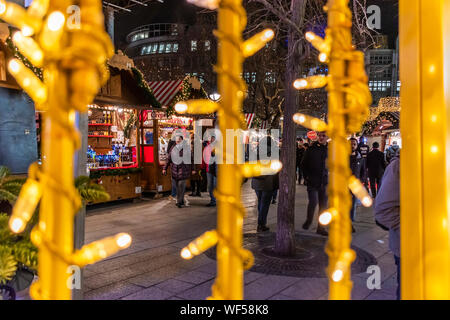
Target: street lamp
(215, 96)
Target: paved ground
(153, 269)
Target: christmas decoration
(37, 71)
(142, 83)
(188, 91)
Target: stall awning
(165, 91)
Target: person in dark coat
(211, 170)
(264, 187)
(180, 171)
(316, 177)
(375, 166)
(299, 156)
(355, 166)
(363, 150)
(196, 177)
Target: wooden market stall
(113, 135)
(156, 128)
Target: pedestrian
(363, 150)
(392, 152)
(316, 178)
(298, 160)
(196, 178)
(264, 187)
(180, 169)
(211, 170)
(173, 193)
(387, 210)
(355, 166)
(375, 167)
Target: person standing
(264, 187)
(355, 166)
(316, 177)
(392, 152)
(387, 210)
(298, 160)
(181, 170)
(375, 167)
(363, 150)
(170, 145)
(211, 170)
(196, 177)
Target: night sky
(181, 11)
(169, 11)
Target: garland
(97, 174)
(186, 93)
(18, 55)
(145, 87)
(369, 126)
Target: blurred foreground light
(56, 20)
(255, 43)
(327, 216)
(208, 4)
(338, 275)
(200, 245)
(197, 106)
(360, 192)
(310, 122)
(312, 82)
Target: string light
(208, 4)
(317, 42)
(258, 169)
(199, 245)
(255, 43)
(101, 249)
(15, 14)
(358, 189)
(327, 216)
(29, 48)
(23, 210)
(312, 82)
(197, 106)
(30, 83)
(310, 122)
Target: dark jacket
(314, 165)
(299, 156)
(266, 183)
(376, 163)
(355, 164)
(180, 171)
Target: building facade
(171, 51)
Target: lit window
(161, 47)
(154, 48)
(193, 45)
(270, 77)
(207, 45)
(175, 47)
(168, 48)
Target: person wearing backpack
(387, 210)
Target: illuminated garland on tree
(186, 93)
(142, 83)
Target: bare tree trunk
(285, 239)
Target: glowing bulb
(14, 66)
(310, 36)
(300, 84)
(181, 107)
(325, 218)
(56, 21)
(186, 254)
(123, 240)
(433, 118)
(17, 225)
(2, 7)
(432, 68)
(27, 31)
(323, 57)
(367, 201)
(299, 118)
(268, 35)
(338, 275)
(276, 165)
(434, 149)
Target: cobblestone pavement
(153, 269)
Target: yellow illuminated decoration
(348, 107)
(232, 259)
(73, 62)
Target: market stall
(113, 154)
(157, 128)
(383, 124)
